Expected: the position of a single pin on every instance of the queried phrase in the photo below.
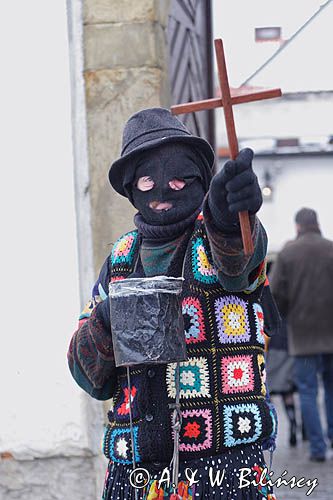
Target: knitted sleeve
(90, 354)
(236, 271)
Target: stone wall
(125, 62)
(60, 478)
(119, 66)
(50, 439)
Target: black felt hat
(146, 130)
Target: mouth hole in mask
(159, 206)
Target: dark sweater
(223, 395)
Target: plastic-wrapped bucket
(146, 321)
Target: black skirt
(240, 472)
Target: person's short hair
(306, 217)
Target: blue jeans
(307, 369)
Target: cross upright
(228, 98)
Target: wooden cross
(228, 98)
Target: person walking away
(301, 283)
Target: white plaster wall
(298, 181)
(42, 410)
(303, 181)
(302, 67)
(302, 115)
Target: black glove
(234, 189)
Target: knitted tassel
(263, 488)
(154, 493)
(184, 492)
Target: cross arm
(238, 96)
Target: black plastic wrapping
(146, 321)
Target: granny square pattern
(259, 318)
(122, 406)
(222, 383)
(237, 374)
(262, 371)
(197, 430)
(123, 249)
(274, 423)
(117, 278)
(117, 445)
(194, 326)
(232, 320)
(203, 270)
(194, 378)
(242, 424)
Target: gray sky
(234, 21)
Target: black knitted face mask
(168, 186)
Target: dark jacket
(302, 285)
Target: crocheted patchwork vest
(222, 384)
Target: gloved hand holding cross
(228, 99)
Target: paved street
(296, 462)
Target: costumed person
(187, 225)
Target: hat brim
(117, 169)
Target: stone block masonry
(119, 65)
(57, 478)
(125, 70)
(125, 11)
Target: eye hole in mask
(146, 183)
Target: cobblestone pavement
(296, 462)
